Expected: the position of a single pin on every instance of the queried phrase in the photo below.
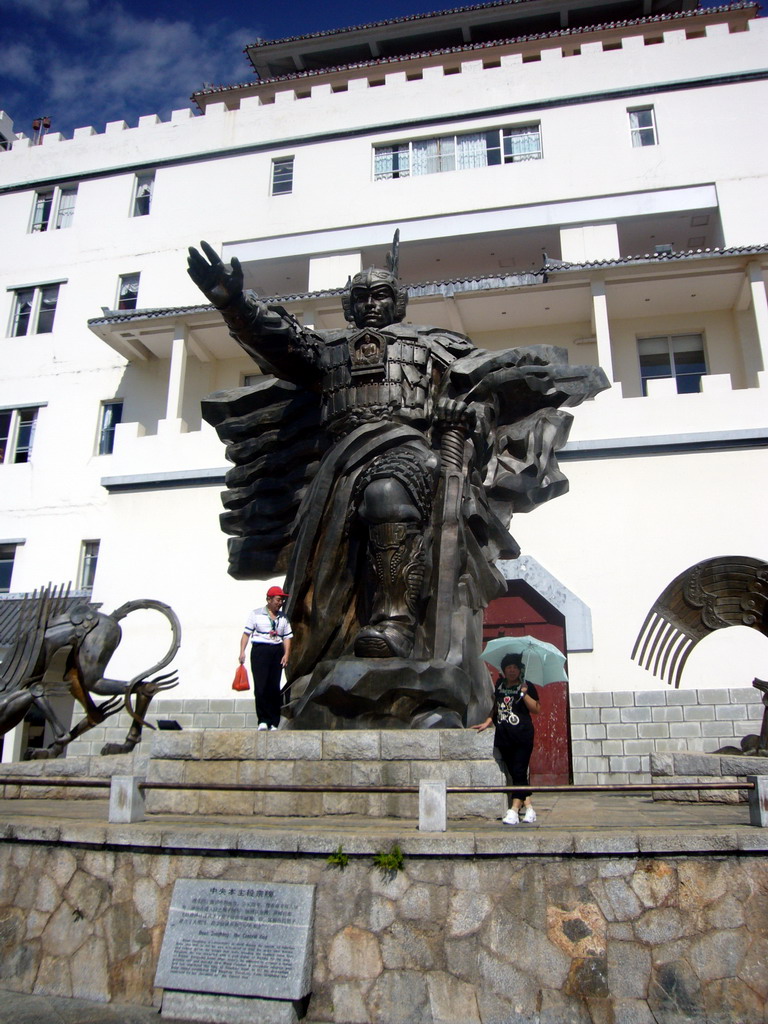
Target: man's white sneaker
(273, 728)
(529, 816)
(263, 727)
(511, 817)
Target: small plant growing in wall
(337, 859)
(389, 862)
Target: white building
(557, 176)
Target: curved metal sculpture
(728, 591)
(49, 623)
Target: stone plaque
(238, 938)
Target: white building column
(760, 308)
(173, 423)
(603, 333)
(326, 272)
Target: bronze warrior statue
(378, 466)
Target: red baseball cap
(277, 592)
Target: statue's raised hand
(221, 283)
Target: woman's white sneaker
(529, 816)
(511, 817)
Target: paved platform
(570, 823)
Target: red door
(523, 612)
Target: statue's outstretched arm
(274, 339)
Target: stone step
(355, 758)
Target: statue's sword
(452, 476)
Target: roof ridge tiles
(470, 47)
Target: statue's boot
(396, 551)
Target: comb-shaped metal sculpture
(731, 590)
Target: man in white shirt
(269, 633)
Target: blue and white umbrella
(543, 663)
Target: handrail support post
(126, 800)
(433, 805)
(758, 801)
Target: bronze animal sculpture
(377, 467)
(731, 590)
(48, 623)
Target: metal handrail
(226, 787)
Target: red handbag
(240, 682)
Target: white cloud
(106, 61)
(21, 62)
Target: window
(677, 355)
(282, 176)
(7, 556)
(391, 161)
(34, 310)
(251, 380)
(89, 557)
(642, 126)
(17, 431)
(5, 144)
(128, 291)
(142, 194)
(111, 415)
(457, 152)
(54, 208)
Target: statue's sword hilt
(452, 476)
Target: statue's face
(373, 307)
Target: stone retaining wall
(685, 767)
(542, 939)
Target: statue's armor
(373, 375)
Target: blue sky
(86, 62)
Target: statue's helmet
(374, 277)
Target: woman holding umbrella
(514, 703)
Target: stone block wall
(614, 734)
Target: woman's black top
(510, 712)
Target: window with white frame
(17, 432)
(33, 310)
(282, 176)
(7, 558)
(673, 355)
(128, 291)
(53, 208)
(111, 415)
(458, 152)
(89, 557)
(642, 126)
(144, 185)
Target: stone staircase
(355, 758)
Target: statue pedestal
(387, 693)
(362, 757)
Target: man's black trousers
(266, 671)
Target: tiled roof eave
(418, 290)
(454, 286)
(467, 48)
(264, 44)
(649, 259)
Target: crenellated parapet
(519, 76)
